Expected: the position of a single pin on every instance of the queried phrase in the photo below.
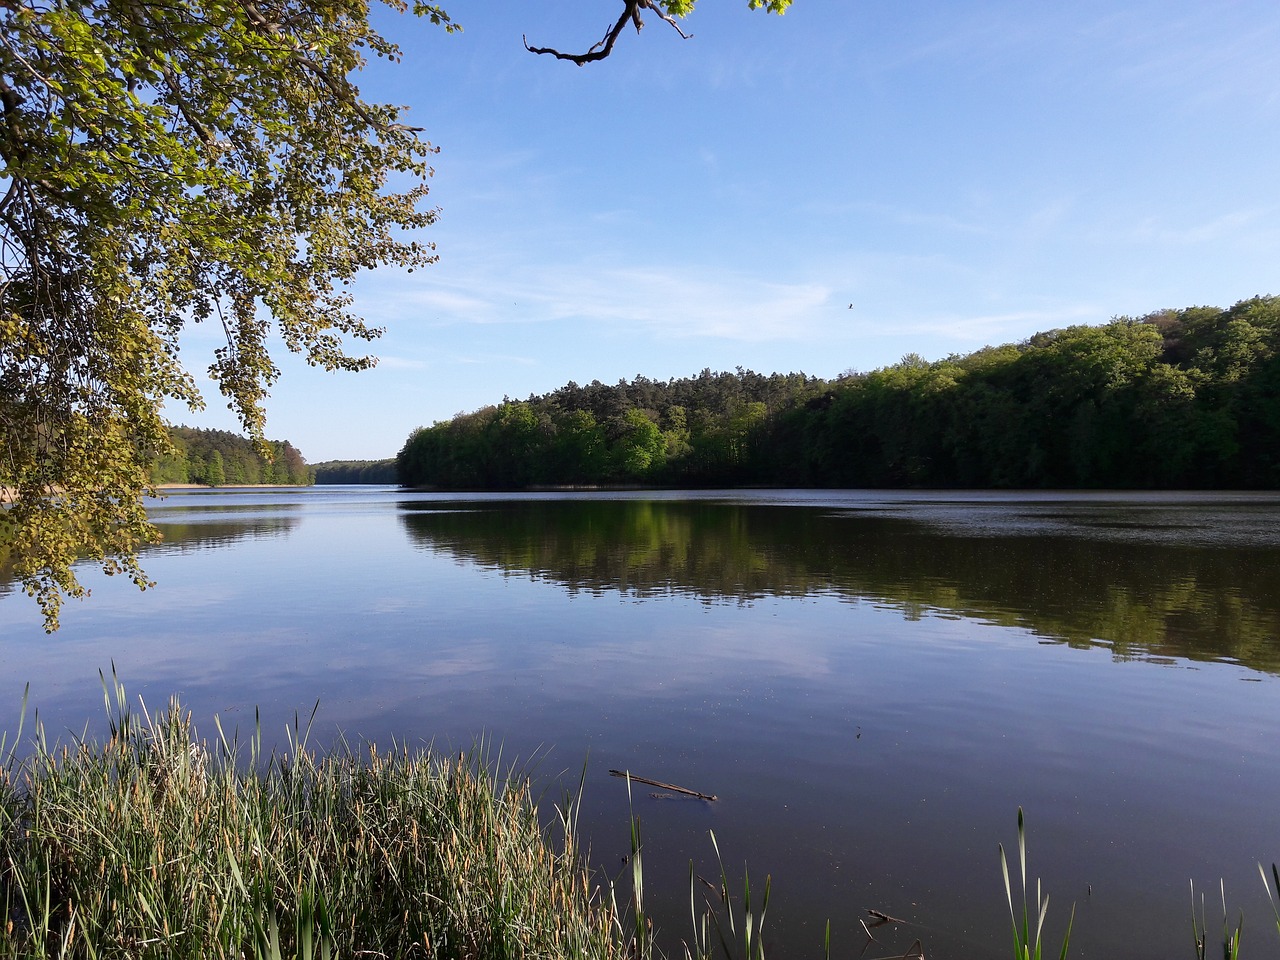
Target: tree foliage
(218, 457)
(1178, 398)
(355, 471)
(163, 164)
(696, 431)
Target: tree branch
(175, 90)
(604, 47)
(662, 15)
(339, 88)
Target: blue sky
(961, 174)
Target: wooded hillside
(1175, 399)
(355, 471)
(218, 457)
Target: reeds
(720, 915)
(156, 844)
(716, 914)
(1027, 945)
(1274, 900)
(1200, 931)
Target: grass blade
(1273, 900)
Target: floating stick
(665, 786)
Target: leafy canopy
(208, 161)
(162, 164)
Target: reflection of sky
(860, 755)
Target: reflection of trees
(1143, 600)
(643, 548)
(189, 536)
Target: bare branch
(662, 15)
(601, 49)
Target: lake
(872, 683)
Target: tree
(637, 448)
(172, 163)
(215, 475)
(669, 11)
(162, 164)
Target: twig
(914, 952)
(882, 918)
(665, 786)
(870, 939)
(604, 46)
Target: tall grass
(1200, 931)
(1273, 900)
(1028, 944)
(157, 844)
(720, 915)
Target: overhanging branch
(601, 49)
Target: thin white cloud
(683, 303)
(673, 301)
(993, 328)
(1206, 58)
(976, 42)
(424, 299)
(1220, 228)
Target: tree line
(356, 471)
(219, 457)
(1184, 398)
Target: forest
(218, 457)
(355, 471)
(1178, 398)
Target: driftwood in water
(882, 918)
(665, 786)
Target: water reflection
(194, 533)
(189, 531)
(1149, 581)
(825, 662)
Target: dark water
(871, 683)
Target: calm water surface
(872, 683)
